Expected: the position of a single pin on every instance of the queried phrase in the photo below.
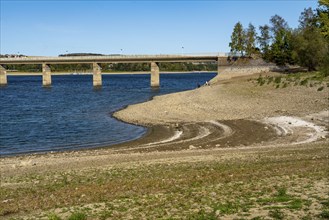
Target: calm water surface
(72, 114)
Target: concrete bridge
(154, 60)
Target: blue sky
(49, 28)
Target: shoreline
(122, 116)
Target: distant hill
(80, 54)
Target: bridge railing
(124, 56)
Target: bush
(320, 88)
(304, 82)
(324, 214)
(277, 80)
(276, 214)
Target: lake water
(72, 114)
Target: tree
(307, 18)
(264, 41)
(323, 14)
(250, 39)
(309, 46)
(237, 39)
(281, 49)
(278, 24)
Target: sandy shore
(227, 100)
(232, 134)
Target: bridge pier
(3, 76)
(46, 75)
(97, 75)
(222, 64)
(155, 75)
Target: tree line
(306, 46)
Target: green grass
(324, 214)
(77, 216)
(308, 79)
(227, 208)
(53, 216)
(202, 215)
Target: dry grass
(274, 183)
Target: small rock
(217, 145)
(191, 147)
(7, 200)
(213, 194)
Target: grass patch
(202, 215)
(105, 214)
(227, 208)
(53, 216)
(324, 214)
(260, 80)
(310, 79)
(285, 200)
(277, 79)
(276, 214)
(77, 216)
(295, 204)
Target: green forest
(306, 46)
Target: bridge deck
(115, 59)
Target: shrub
(324, 214)
(277, 80)
(304, 82)
(276, 214)
(320, 88)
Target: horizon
(51, 28)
